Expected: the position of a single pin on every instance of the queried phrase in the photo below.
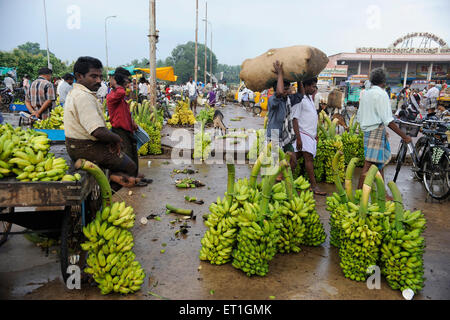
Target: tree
(29, 58)
(183, 60)
(230, 73)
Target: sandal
(318, 192)
(146, 180)
(141, 184)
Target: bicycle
(430, 156)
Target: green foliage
(230, 73)
(29, 58)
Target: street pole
(46, 37)
(152, 53)
(106, 46)
(206, 36)
(210, 59)
(196, 42)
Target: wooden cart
(52, 208)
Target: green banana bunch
(292, 228)
(359, 246)
(111, 261)
(257, 242)
(202, 144)
(353, 146)
(151, 120)
(326, 149)
(220, 238)
(314, 230)
(337, 213)
(403, 247)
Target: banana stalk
(185, 212)
(268, 182)
(287, 174)
(337, 179)
(257, 166)
(398, 225)
(381, 192)
(367, 188)
(348, 178)
(99, 176)
(230, 185)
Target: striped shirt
(40, 91)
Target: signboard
(403, 50)
(336, 72)
(439, 70)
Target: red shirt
(118, 109)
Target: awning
(164, 73)
(130, 69)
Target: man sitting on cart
(87, 136)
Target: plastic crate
(17, 107)
(54, 134)
(410, 130)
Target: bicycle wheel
(420, 148)
(400, 159)
(436, 175)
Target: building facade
(416, 56)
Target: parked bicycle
(430, 155)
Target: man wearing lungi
(374, 115)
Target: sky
(241, 29)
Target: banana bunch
(25, 154)
(220, 238)
(110, 260)
(326, 149)
(338, 211)
(353, 142)
(359, 245)
(183, 114)
(314, 233)
(55, 121)
(257, 241)
(149, 119)
(202, 145)
(206, 115)
(257, 145)
(292, 228)
(301, 183)
(403, 247)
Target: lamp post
(210, 49)
(196, 41)
(206, 36)
(46, 37)
(106, 45)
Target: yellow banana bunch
(183, 114)
(111, 261)
(54, 121)
(25, 154)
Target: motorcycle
(6, 97)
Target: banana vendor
(374, 115)
(87, 136)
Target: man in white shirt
(304, 120)
(432, 95)
(102, 92)
(9, 82)
(64, 87)
(143, 89)
(192, 92)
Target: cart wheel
(5, 228)
(72, 233)
(257, 110)
(71, 238)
